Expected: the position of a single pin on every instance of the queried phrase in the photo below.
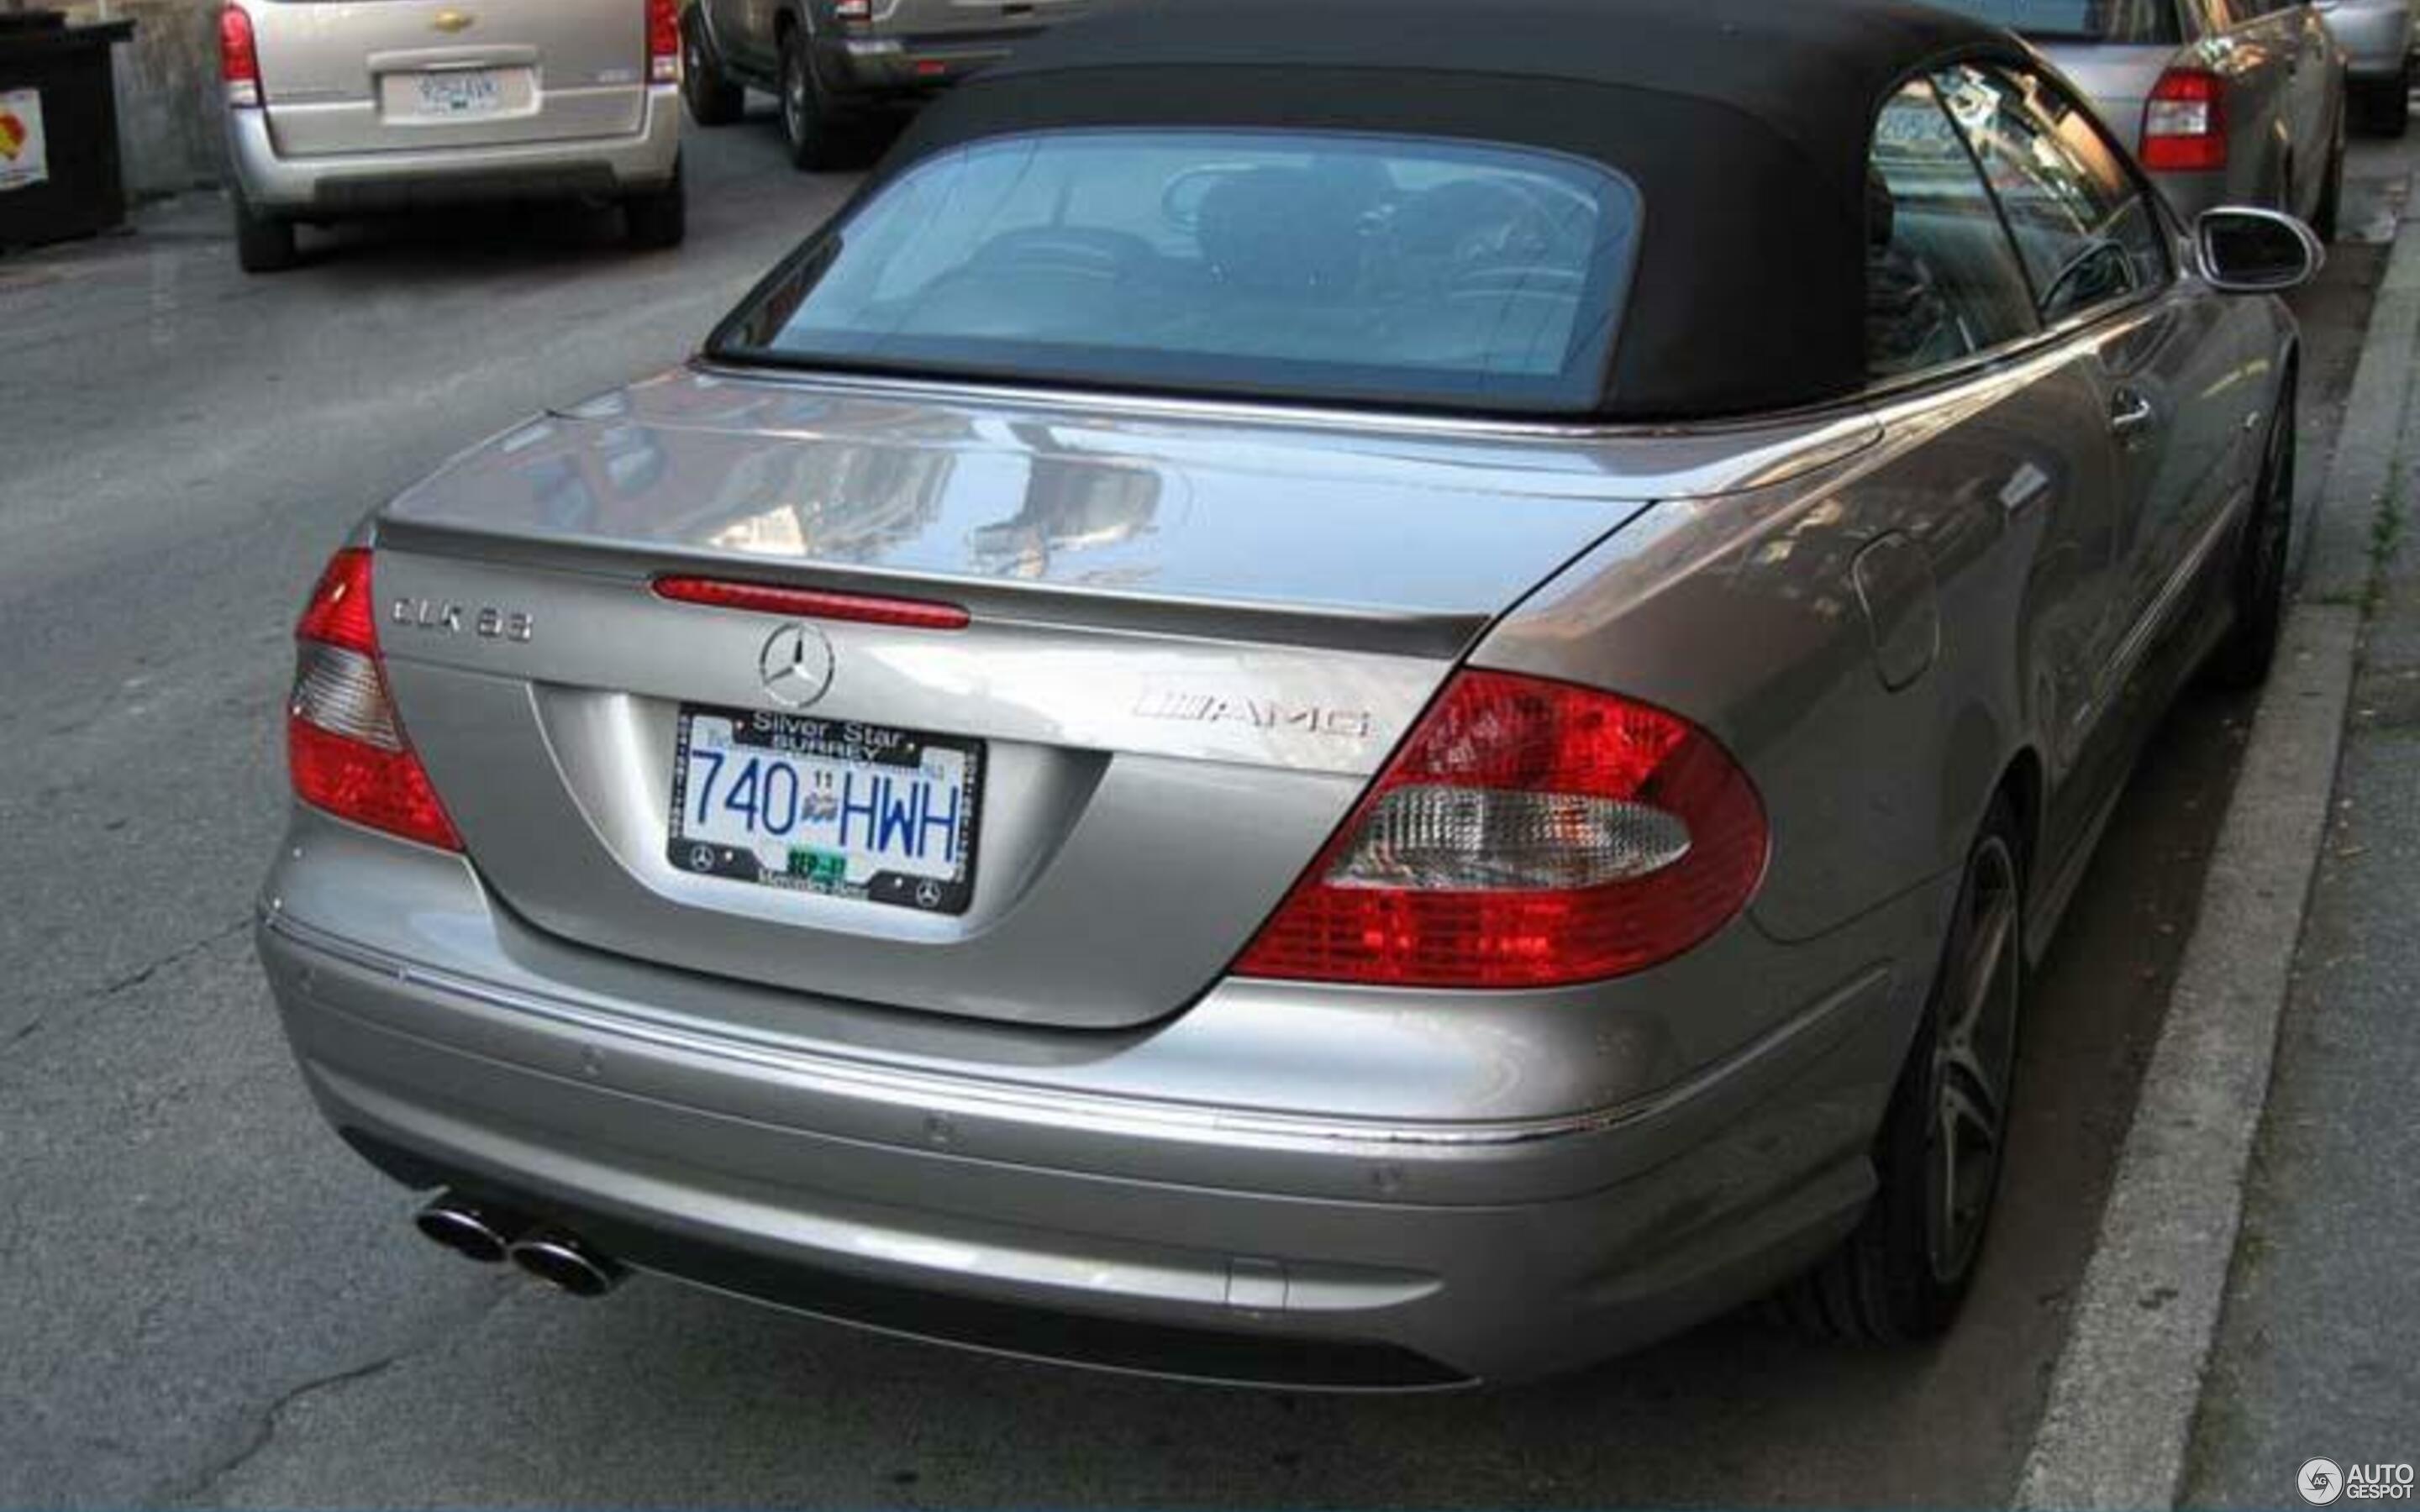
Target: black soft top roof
(1745, 123)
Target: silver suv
(335, 109)
(829, 59)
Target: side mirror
(2246, 251)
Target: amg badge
(1261, 714)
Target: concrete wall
(167, 91)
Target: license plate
(458, 92)
(832, 806)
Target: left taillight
(239, 57)
(344, 746)
(663, 41)
(1528, 834)
(2184, 122)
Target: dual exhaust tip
(492, 1235)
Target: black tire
(2386, 107)
(658, 218)
(1903, 1274)
(263, 243)
(713, 97)
(2328, 218)
(2244, 658)
(807, 123)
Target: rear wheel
(807, 123)
(1901, 1276)
(2244, 658)
(714, 99)
(2386, 106)
(263, 243)
(658, 218)
(2327, 218)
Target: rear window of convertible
(1284, 265)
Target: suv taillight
(1528, 834)
(2184, 124)
(663, 41)
(239, 57)
(345, 747)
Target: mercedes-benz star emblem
(795, 665)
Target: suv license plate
(460, 92)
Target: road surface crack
(264, 1432)
(201, 1488)
(116, 986)
(176, 957)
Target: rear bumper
(1008, 1208)
(375, 182)
(906, 65)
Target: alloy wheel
(794, 101)
(1973, 1061)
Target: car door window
(2086, 232)
(1941, 281)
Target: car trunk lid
(2118, 80)
(1188, 645)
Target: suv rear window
(2124, 21)
(1280, 265)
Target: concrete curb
(2119, 1423)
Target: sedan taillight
(1528, 834)
(2184, 124)
(345, 746)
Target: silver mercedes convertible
(1341, 693)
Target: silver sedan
(2224, 101)
(1330, 697)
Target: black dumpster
(59, 129)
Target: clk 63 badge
(488, 621)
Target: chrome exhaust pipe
(565, 1261)
(471, 1229)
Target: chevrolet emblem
(452, 20)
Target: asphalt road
(206, 1299)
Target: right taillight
(239, 57)
(1528, 834)
(2184, 122)
(345, 747)
(663, 41)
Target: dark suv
(826, 59)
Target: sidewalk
(2249, 1305)
(2318, 1354)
